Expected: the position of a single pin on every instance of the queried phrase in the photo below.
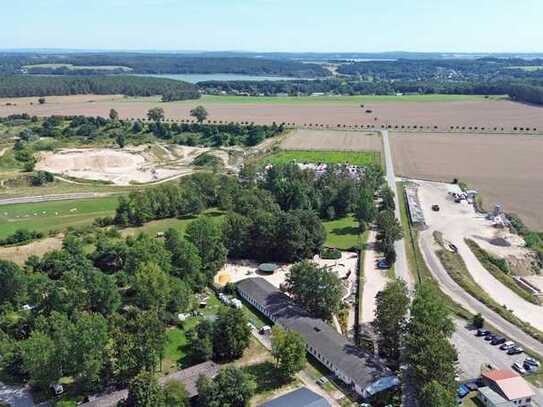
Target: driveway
(457, 222)
(375, 279)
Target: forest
(141, 63)
(26, 85)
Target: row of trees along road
(429, 355)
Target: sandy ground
(482, 113)
(345, 268)
(336, 140)
(19, 254)
(505, 169)
(142, 164)
(457, 222)
(375, 280)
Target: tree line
(424, 337)
(25, 85)
(157, 63)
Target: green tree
(315, 288)
(201, 342)
(390, 319)
(120, 139)
(478, 321)
(144, 391)
(155, 114)
(199, 113)
(387, 199)
(113, 114)
(435, 395)
(364, 208)
(89, 344)
(429, 352)
(175, 394)
(288, 349)
(231, 334)
(186, 260)
(12, 283)
(208, 239)
(41, 361)
(151, 286)
(232, 387)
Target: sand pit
(331, 140)
(120, 167)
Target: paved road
(453, 290)
(56, 197)
(401, 267)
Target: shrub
(330, 253)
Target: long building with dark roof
(363, 371)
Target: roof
(268, 267)
(511, 385)
(188, 377)
(361, 366)
(491, 395)
(502, 374)
(300, 398)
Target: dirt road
(375, 280)
(56, 197)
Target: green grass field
(329, 157)
(342, 233)
(55, 215)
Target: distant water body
(194, 78)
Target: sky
(275, 25)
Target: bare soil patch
(488, 113)
(332, 140)
(505, 169)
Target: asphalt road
(458, 295)
(56, 197)
(401, 268)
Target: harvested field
(432, 110)
(332, 140)
(20, 254)
(504, 168)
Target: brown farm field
(506, 169)
(332, 140)
(333, 111)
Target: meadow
(329, 157)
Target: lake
(194, 78)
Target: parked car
(529, 368)
(383, 264)
(462, 391)
(507, 345)
(515, 350)
(498, 340)
(322, 381)
(532, 362)
(489, 336)
(518, 367)
(435, 208)
(57, 389)
(482, 332)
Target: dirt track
(482, 113)
(505, 168)
(304, 139)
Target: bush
(21, 236)
(39, 178)
(330, 253)
(478, 321)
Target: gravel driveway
(375, 279)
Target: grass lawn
(342, 233)
(329, 157)
(55, 215)
(154, 227)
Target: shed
(300, 398)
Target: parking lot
(474, 353)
